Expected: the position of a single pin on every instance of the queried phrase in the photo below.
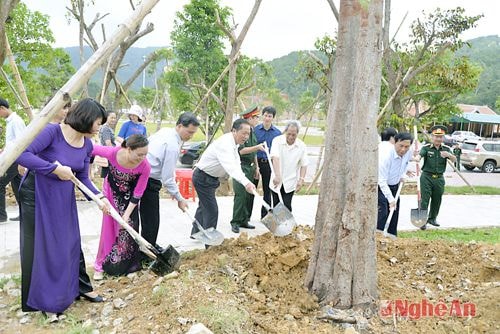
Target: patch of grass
(490, 235)
(410, 189)
(16, 278)
(223, 318)
(159, 294)
(466, 190)
(73, 325)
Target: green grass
(223, 318)
(448, 190)
(490, 235)
(466, 190)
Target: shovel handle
(391, 211)
(271, 167)
(264, 204)
(116, 216)
(198, 225)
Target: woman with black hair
(128, 174)
(50, 234)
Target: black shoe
(96, 299)
(423, 228)
(432, 222)
(14, 219)
(235, 229)
(3, 220)
(247, 225)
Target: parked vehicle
(481, 154)
(448, 140)
(190, 152)
(464, 135)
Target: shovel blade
(209, 236)
(279, 221)
(167, 260)
(418, 217)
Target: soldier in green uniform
(243, 201)
(457, 151)
(432, 180)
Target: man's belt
(434, 175)
(262, 160)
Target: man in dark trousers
(243, 201)
(14, 129)
(220, 160)
(266, 132)
(432, 182)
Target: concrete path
(456, 211)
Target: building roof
(470, 108)
(477, 118)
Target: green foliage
(198, 44)
(44, 69)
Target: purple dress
(56, 238)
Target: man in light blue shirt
(163, 152)
(392, 168)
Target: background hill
(483, 51)
(133, 59)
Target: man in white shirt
(289, 158)
(387, 140)
(392, 169)
(220, 160)
(14, 129)
(163, 152)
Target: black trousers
(149, 210)
(11, 176)
(265, 173)
(207, 213)
(27, 226)
(287, 198)
(383, 211)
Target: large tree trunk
(342, 269)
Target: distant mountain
(133, 59)
(484, 51)
(288, 80)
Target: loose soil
(256, 286)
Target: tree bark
(6, 6)
(342, 269)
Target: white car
(464, 135)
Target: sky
(280, 27)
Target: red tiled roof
(469, 108)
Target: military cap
(438, 130)
(250, 112)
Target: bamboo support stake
(71, 87)
(17, 77)
(11, 86)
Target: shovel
(418, 216)
(279, 220)
(165, 260)
(391, 213)
(210, 236)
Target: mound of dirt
(255, 285)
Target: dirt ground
(256, 286)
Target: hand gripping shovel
(165, 260)
(418, 216)
(210, 236)
(391, 213)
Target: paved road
(456, 211)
